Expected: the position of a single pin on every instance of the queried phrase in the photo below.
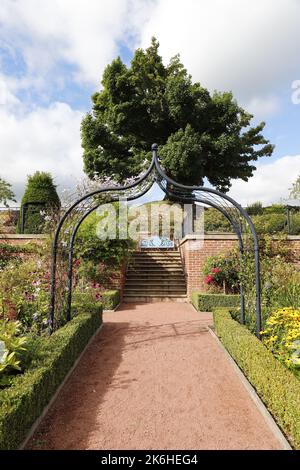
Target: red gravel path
(154, 378)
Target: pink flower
(29, 297)
(95, 285)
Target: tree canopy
(295, 189)
(6, 193)
(199, 134)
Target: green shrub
(222, 271)
(108, 253)
(275, 384)
(110, 299)
(275, 209)
(255, 208)
(269, 223)
(23, 402)
(6, 193)
(214, 221)
(41, 193)
(12, 348)
(207, 302)
(24, 294)
(14, 253)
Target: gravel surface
(154, 378)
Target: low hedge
(275, 384)
(207, 302)
(24, 401)
(110, 299)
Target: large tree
(6, 193)
(200, 135)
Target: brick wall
(196, 249)
(21, 239)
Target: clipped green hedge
(275, 384)
(23, 402)
(110, 299)
(207, 302)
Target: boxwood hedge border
(25, 400)
(207, 302)
(277, 386)
(111, 299)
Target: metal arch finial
(154, 148)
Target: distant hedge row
(269, 220)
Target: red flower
(209, 279)
(216, 270)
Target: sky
(52, 56)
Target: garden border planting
(278, 388)
(24, 401)
(110, 299)
(207, 302)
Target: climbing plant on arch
(67, 229)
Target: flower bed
(282, 336)
(24, 401)
(277, 386)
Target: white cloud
(249, 47)
(77, 32)
(271, 182)
(45, 139)
(7, 98)
(262, 108)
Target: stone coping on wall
(227, 236)
(208, 236)
(22, 236)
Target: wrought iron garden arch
(69, 224)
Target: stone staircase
(155, 275)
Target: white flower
(3, 352)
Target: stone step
(158, 292)
(155, 273)
(174, 254)
(157, 260)
(153, 294)
(138, 281)
(154, 265)
(156, 251)
(154, 298)
(151, 282)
